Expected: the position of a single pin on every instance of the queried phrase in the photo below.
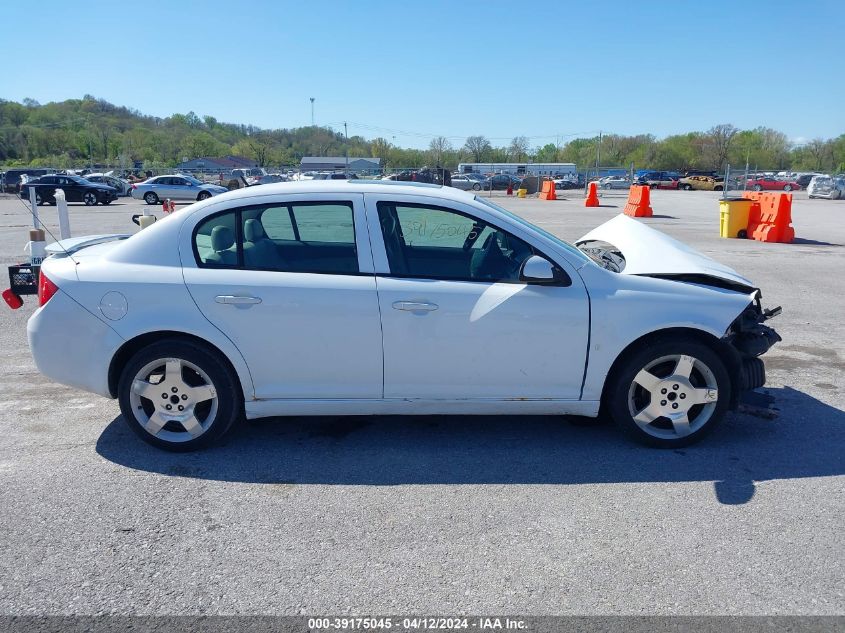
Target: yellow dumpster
(733, 217)
(520, 193)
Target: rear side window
(317, 237)
(216, 241)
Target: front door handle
(237, 299)
(414, 306)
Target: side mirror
(539, 270)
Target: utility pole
(598, 155)
(312, 111)
(346, 134)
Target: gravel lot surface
(440, 515)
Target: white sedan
(374, 297)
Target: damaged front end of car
(749, 339)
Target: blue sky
(413, 70)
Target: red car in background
(771, 183)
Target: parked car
(804, 179)
(702, 183)
(76, 189)
(12, 177)
(614, 182)
(338, 175)
(123, 187)
(501, 181)
(174, 187)
(371, 297)
(832, 188)
(772, 183)
(466, 184)
(659, 180)
(268, 179)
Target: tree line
(76, 132)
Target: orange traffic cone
(592, 196)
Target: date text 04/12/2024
(416, 623)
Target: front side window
(314, 237)
(435, 242)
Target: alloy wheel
(173, 400)
(673, 396)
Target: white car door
(457, 322)
(290, 281)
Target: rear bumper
(72, 346)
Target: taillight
(134, 186)
(46, 289)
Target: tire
(151, 198)
(757, 188)
(38, 199)
(476, 187)
(688, 394)
(742, 234)
(190, 375)
(718, 188)
(787, 187)
(204, 195)
(687, 187)
(89, 198)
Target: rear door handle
(414, 306)
(237, 299)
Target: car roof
(396, 187)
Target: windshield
(565, 245)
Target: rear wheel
(718, 188)
(38, 199)
(787, 187)
(151, 198)
(89, 198)
(670, 393)
(476, 187)
(178, 395)
(758, 188)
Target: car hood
(628, 246)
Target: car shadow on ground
(806, 242)
(807, 440)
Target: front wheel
(89, 198)
(669, 394)
(178, 395)
(687, 187)
(106, 201)
(204, 195)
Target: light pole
(312, 111)
(346, 134)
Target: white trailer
(519, 169)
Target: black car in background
(76, 190)
(10, 182)
(501, 181)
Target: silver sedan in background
(464, 183)
(615, 182)
(176, 187)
